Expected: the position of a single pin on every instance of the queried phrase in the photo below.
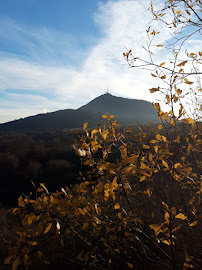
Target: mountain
(127, 111)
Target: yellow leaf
(182, 63)
(177, 165)
(153, 141)
(173, 210)
(177, 139)
(130, 265)
(48, 228)
(85, 125)
(158, 137)
(30, 218)
(188, 265)
(167, 217)
(165, 205)
(142, 178)
(193, 223)
(178, 12)
(159, 126)
(165, 242)
(117, 206)
(175, 98)
(16, 263)
(181, 216)
(176, 228)
(104, 116)
(159, 45)
(153, 90)
(131, 159)
(146, 146)
(94, 131)
(163, 138)
(143, 166)
(157, 106)
(163, 63)
(156, 228)
(187, 81)
(8, 259)
(123, 152)
(153, 32)
(21, 201)
(163, 77)
(119, 215)
(188, 120)
(33, 243)
(165, 164)
(128, 169)
(114, 185)
(153, 75)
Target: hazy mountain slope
(127, 111)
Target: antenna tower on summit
(107, 92)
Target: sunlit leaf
(188, 120)
(85, 125)
(131, 159)
(165, 242)
(117, 206)
(167, 217)
(165, 164)
(177, 165)
(193, 223)
(156, 228)
(123, 152)
(158, 137)
(146, 146)
(181, 216)
(159, 126)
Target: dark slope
(124, 109)
(55, 120)
(127, 111)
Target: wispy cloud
(123, 25)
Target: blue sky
(61, 54)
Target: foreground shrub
(138, 206)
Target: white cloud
(123, 24)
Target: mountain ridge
(125, 110)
